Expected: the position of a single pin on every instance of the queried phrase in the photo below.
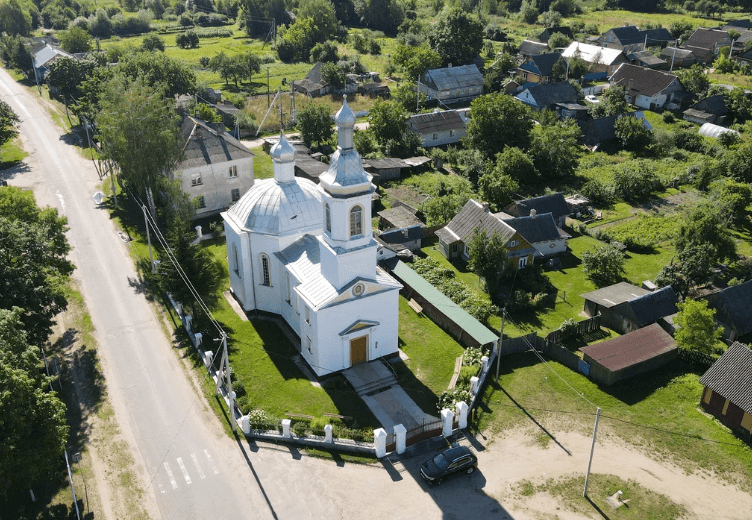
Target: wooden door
(358, 350)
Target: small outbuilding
(397, 218)
(728, 389)
(733, 307)
(553, 203)
(715, 131)
(625, 307)
(627, 356)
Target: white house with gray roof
(452, 84)
(216, 170)
(438, 128)
(306, 253)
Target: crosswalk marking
(185, 471)
(214, 466)
(198, 468)
(169, 474)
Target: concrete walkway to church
(375, 383)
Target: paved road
(191, 469)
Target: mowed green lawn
(659, 410)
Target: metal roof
(436, 121)
(708, 38)
(538, 228)
(471, 216)
(553, 203)
(204, 145)
(735, 303)
(400, 217)
(641, 80)
(303, 259)
(549, 94)
(633, 348)
(400, 236)
(346, 174)
(653, 306)
(529, 47)
(450, 78)
(589, 53)
(46, 54)
(451, 310)
(731, 376)
(277, 209)
(385, 164)
(615, 294)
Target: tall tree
(555, 150)
(613, 102)
(315, 124)
(387, 121)
(498, 121)
(382, 15)
(487, 258)
(324, 17)
(160, 71)
(603, 265)
(33, 430)
(8, 122)
(33, 263)
(697, 329)
(415, 61)
(14, 18)
(140, 132)
(67, 75)
(15, 350)
(704, 228)
(75, 40)
(457, 36)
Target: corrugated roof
(450, 78)
(708, 39)
(673, 52)
(631, 349)
(646, 57)
(47, 54)
(203, 145)
(436, 121)
(303, 259)
(627, 35)
(589, 53)
(530, 48)
(540, 228)
(451, 310)
(641, 80)
(553, 203)
(713, 104)
(736, 302)
(615, 294)
(731, 376)
(551, 93)
(400, 236)
(744, 22)
(407, 195)
(400, 217)
(653, 306)
(472, 216)
(387, 163)
(312, 80)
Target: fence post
(400, 434)
(483, 364)
(474, 385)
(209, 355)
(462, 414)
(328, 433)
(286, 428)
(448, 418)
(379, 442)
(245, 424)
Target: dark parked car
(448, 464)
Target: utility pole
(224, 368)
(501, 339)
(268, 99)
(592, 448)
(148, 239)
(417, 96)
(73, 489)
(281, 120)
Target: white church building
(306, 252)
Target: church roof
(273, 208)
(303, 258)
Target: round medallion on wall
(358, 289)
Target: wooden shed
(728, 389)
(625, 357)
(625, 307)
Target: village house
(407, 238)
(455, 237)
(541, 232)
(707, 43)
(602, 59)
(648, 88)
(553, 203)
(733, 306)
(452, 84)
(306, 253)
(529, 48)
(727, 393)
(217, 169)
(438, 128)
(631, 39)
(540, 68)
(711, 109)
(45, 57)
(678, 58)
(549, 95)
(625, 307)
(647, 60)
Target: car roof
(455, 453)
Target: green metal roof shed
(472, 327)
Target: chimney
(533, 213)
(485, 207)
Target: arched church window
(328, 214)
(234, 259)
(356, 221)
(266, 278)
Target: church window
(266, 278)
(201, 202)
(308, 344)
(328, 214)
(308, 315)
(233, 172)
(234, 260)
(235, 194)
(356, 221)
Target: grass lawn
(432, 354)
(263, 167)
(659, 410)
(11, 153)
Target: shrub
(668, 117)
(463, 381)
(204, 61)
(472, 356)
(153, 43)
(568, 329)
(213, 32)
(299, 427)
(239, 388)
(186, 20)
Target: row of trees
(34, 270)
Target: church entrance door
(358, 350)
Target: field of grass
(11, 153)
(659, 411)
